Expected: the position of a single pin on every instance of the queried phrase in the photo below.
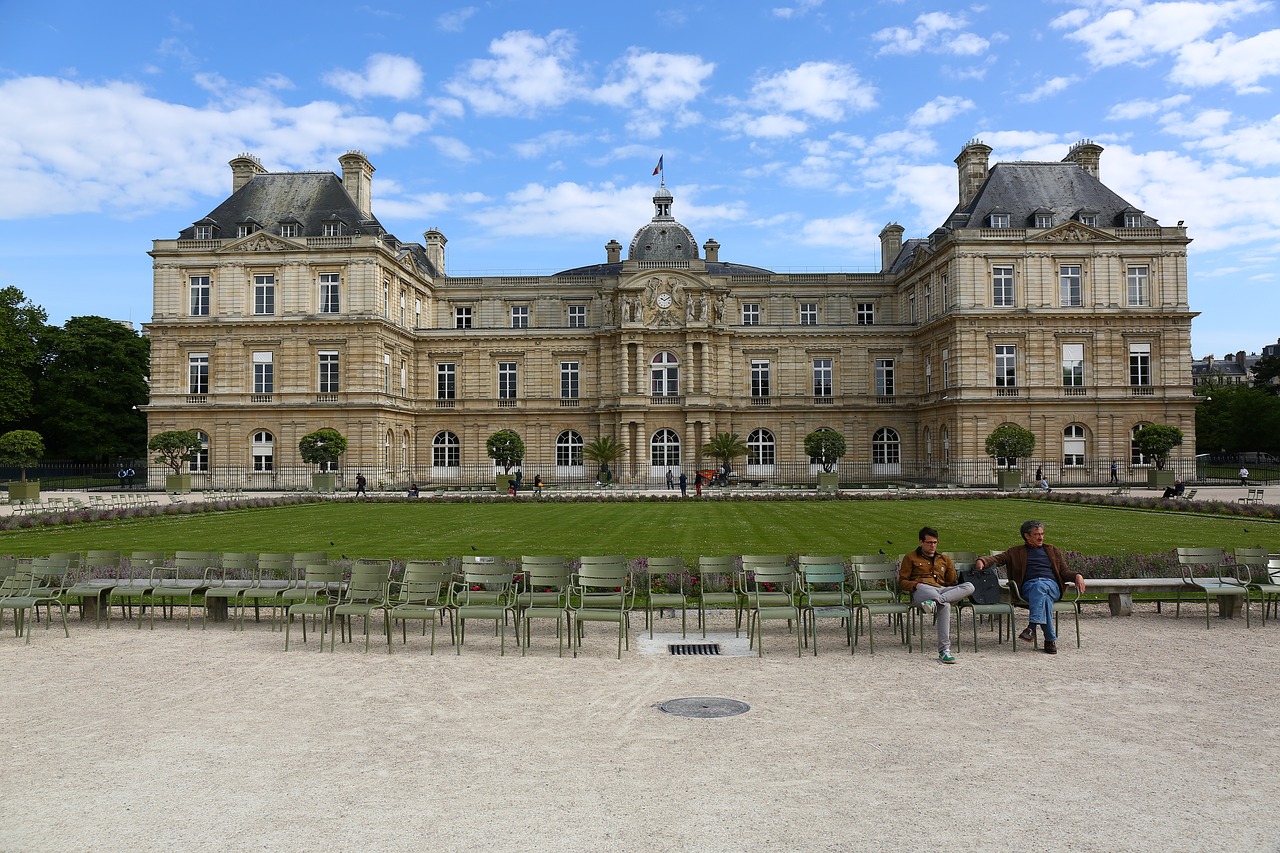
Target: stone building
(1044, 299)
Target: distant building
(1044, 299)
(1232, 370)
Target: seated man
(1176, 490)
(931, 580)
(1040, 571)
(413, 490)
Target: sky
(790, 131)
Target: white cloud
(419, 206)
(453, 22)
(527, 73)
(1050, 87)
(552, 140)
(853, 229)
(384, 75)
(825, 91)
(1137, 109)
(802, 8)
(940, 110)
(1240, 64)
(934, 32)
(1137, 30)
(454, 149)
(656, 89)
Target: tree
(1156, 440)
(21, 447)
(1235, 418)
(505, 448)
(724, 448)
(175, 448)
(1266, 374)
(1010, 442)
(825, 445)
(88, 394)
(22, 324)
(604, 450)
(322, 446)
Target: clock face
(664, 300)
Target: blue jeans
(1040, 594)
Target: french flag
(658, 168)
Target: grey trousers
(944, 596)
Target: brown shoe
(1028, 634)
(1050, 647)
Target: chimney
(1240, 358)
(613, 252)
(712, 250)
(890, 244)
(1086, 154)
(357, 178)
(435, 249)
(243, 170)
(972, 165)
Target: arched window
(761, 448)
(264, 457)
(885, 447)
(569, 450)
(664, 372)
(386, 452)
(664, 449)
(1135, 455)
(199, 463)
(404, 450)
(446, 452)
(1073, 445)
(928, 445)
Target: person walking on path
(1115, 471)
(361, 482)
(537, 485)
(697, 485)
(684, 485)
(671, 480)
(931, 580)
(1244, 476)
(1040, 571)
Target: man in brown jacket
(931, 580)
(1040, 571)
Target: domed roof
(663, 239)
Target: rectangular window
(946, 368)
(1069, 285)
(1139, 364)
(1090, 219)
(329, 301)
(1002, 287)
(245, 229)
(386, 373)
(822, 377)
(506, 380)
(569, 380)
(884, 377)
(928, 303)
(199, 296)
(577, 316)
(198, 372)
(264, 373)
(946, 295)
(264, 294)
(386, 299)
(290, 229)
(911, 307)
(204, 232)
(1006, 366)
(751, 313)
(446, 381)
(866, 313)
(519, 316)
(417, 313)
(1132, 220)
(759, 377)
(462, 317)
(808, 313)
(404, 378)
(999, 220)
(1139, 292)
(1072, 365)
(928, 375)
(1044, 220)
(328, 372)
(331, 229)
(404, 308)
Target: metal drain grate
(693, 648)
(704, 707)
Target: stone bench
(1120, 591)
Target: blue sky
(792, 131)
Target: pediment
(1073, 232)
(260, 242)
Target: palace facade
(1045, 299)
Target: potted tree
(323, 447)
(505, 448)
(174, 449)
(827, 446)
(602, 451)
(1011, 443)
(724, 448)
(22, 447)
(1154, 441)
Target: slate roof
(713, 268)
(1023, 188)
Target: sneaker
(945, 656)
(1028, 634)
(1050, 647)
(928, 605)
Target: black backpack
(986, 585)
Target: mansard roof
(1022, 188)
(308, 198)
(713, 268)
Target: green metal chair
(1226, 581)
(1069, 603)
(239, 574)
(666, 590)
(545, 596)
(485, 592)
(772, 595)
(193, 573)
(276, 573)
(135, 583)
(98, 574)
(877, 594)
(825, 595)
(1251, 564)
(716, 579)
(423, 595)
(995, 611)
(365, 593)
(1269, 590)
(603, 592)
(295, 590)
(321, 590)
(31, 586)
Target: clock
(664, 300)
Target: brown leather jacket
(916, 569)
(1016, 561)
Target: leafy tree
(506, 448)
(94, 379)
(825, 445)
(1156, 440)
(1011, 442)
(1235, 418)
(604, 450)
(175, 448)
(323, 445)
(725, 447)
(21, 447)
(1266, 374)
(22, 323)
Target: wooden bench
(1253, 497)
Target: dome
(663, 239)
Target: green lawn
(690, 529)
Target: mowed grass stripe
(689, 528)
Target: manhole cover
(694, 648)
(704, 707)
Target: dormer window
(204, 232)
(1088, 217)
(290, 229)
(999, 220)
(244, 229)
(332, 229)
(1044, 220)
(1133, 220)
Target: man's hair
(928, 531)
(1028, 526)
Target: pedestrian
(1115, 471)
(671, 480)
(120, 475)
(517, 481)
(684, 485)
(361, 482)
(1039, 473)
(537, 485)
(697, 485)
(128, 477)
(1244, 476)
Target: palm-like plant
(725, 447)
(604, 450)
